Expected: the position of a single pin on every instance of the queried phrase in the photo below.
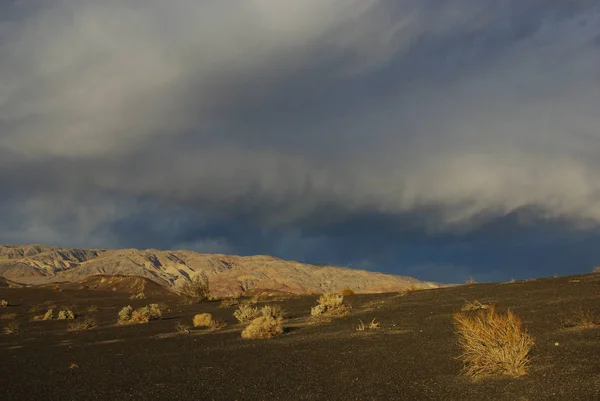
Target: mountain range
(227, 274)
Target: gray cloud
(297, 116)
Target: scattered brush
(85, 324)
(473, 306)
(331, 305)
(493, 343)
(139, 295)
(11, 328)
(125, 314)
(374, 325)
(250, 301)
(3, 303)
(49, 315)
(245, 313)
(202, 320)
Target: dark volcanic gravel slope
(412, 356)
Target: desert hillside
(228, 275)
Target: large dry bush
(265, 326)
(141, 315)
(196, 289)
(493, 343)
(330, 304)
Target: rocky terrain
(228, 275)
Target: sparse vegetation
(475, 305)
(250, 301)
(374, 325)
(265, 326)
(11, 328)
(145, 314)
(412, 288)
(139, 295)
(92, 309)
(493, 343)
(34, 309)
(85, 324)
(228, 302)
(581, 319)
(3, 303)
(330, 304)
(65, 314)
(274, 311)
(202, 320)
(245, 313)
(347, 292)
(196, 289)
(216, 325)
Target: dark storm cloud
(337, 130)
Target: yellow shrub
(202, 320)
(265, 326)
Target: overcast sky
(438, 139)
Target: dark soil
(413, 356)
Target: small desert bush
(3, 303)
(202, 320)
(82, 325)
(92, 309)
(582, 319)
(139, 295)
(245, 313)
(347, 292)
(216, 325)
(265, 326)
(65, 314)
(11, 328)
(493, 343)
(472, 306)
(196, 289)
(374, 325)
(228, 302)
(49, 315)
(125, 314)
(182, 328)
(331, 305)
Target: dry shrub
(34, 309)
(246, 313)
(582, 319)
(49, 315)
(493, 343)
(65, 314)
(139, 295)
(274, 311)
(374, 325)
(140, 315)
(196, 289)
(3, 303)
(412, 288)
(202, 320)
(216, 325)
(92, 309)
(11, 328)
(250, 301)
(347, 292)
(182, 328)
(472, 306)
(330, 305)
(86, 324)
(228, 302)
(265, 326)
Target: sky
(438, 139)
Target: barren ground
(412, 356)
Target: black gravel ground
(411, 357)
